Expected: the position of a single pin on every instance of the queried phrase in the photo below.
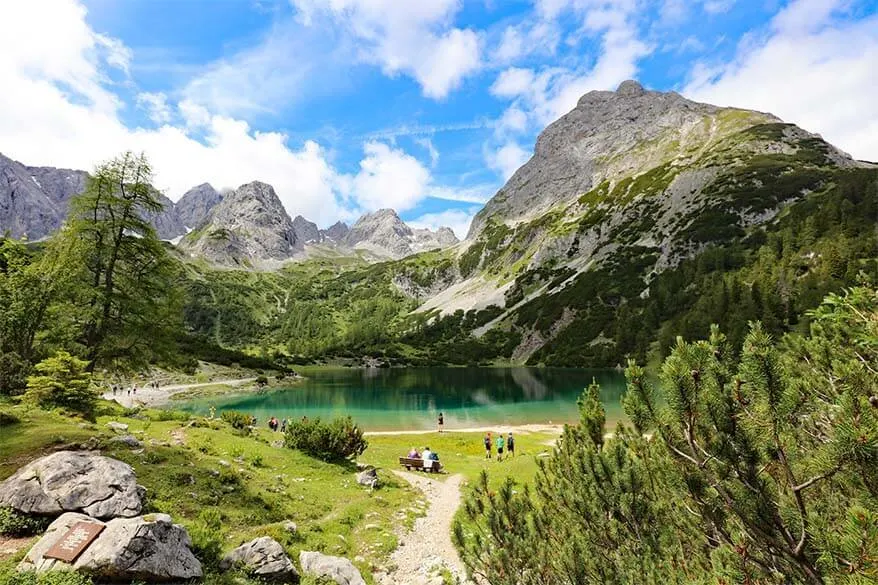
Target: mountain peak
(630, 88)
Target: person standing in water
(441, 422)
(500, 447)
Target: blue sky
(346, 106)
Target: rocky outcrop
(195, 205)
(368, 478)
(384, 234)
(249, 226)
(263, 558)
(149, 548)
(336, 232)
(167, 222)
(306, 231)
(73, 481)
(340, 570)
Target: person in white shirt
(427, 456)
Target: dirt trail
(428, 547)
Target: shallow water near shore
(411, 398)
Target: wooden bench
(418, 465)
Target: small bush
(13, 523)
(238, 420)
(207, 536)
(62, 381)
(261, 381)
(338, 440)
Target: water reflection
(410, 398)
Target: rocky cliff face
(307, 231)
(248, 227)
(336, 232)
(196, 204)
(384, 234)
(34, 201)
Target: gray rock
(384, 234)
(263, 558)
(167, 222)
(129, 440)
(368, 478)
(34, 200)
(336, 232)
(149, 548)
(306, 231)
(291, 527)
(339, 569)
(249, 226)
(117, 426)
(74, 481)
(195, 205)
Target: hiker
(413, 454)
(115, 388)
(488, 445)
(441, 422)
(510, 445)
(283, 425)
(129, 391)
(134, 390)
(500, 447)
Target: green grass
(462, 452)
(261, 487)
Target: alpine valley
(641, 216)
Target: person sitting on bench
(413, 454)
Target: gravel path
(161, 395)
(428, 547)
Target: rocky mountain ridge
(34, 201)
(627, 185)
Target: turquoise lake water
(411, 398)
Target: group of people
(117, 388)
(274, 425)
(502, 444)
(426, 455)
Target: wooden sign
(74, 541)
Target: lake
(411, 398)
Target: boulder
(340, 570)
(117, 426)
(368, 478)
(147, 548)
(264, 558)
(74, 481)
(291, 527)
(129, 440)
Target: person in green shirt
(500, 447)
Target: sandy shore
(504, 429)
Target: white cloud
(290, 63)
(458, 220)
(812, 67)
(507, 159)
(412, 38)
(156, 106)
(389, 177)
(427, 144)
(513, 82)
